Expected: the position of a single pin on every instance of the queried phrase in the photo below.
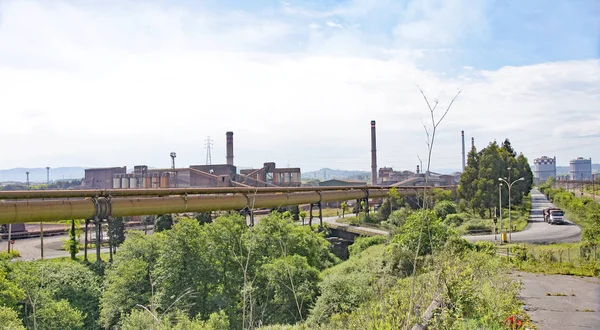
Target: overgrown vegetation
(583, 211)
(225, 275)
(566, 259)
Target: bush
(9, 320)
(444, 208)
(485, 247)
(362, 243)
(434, 233)
(5, 256)
(368, 218)
(398, 218)
(204, 217)
(388, 206)
(163, 222)
(455, 220)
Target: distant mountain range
(328, 174)
(39, 174)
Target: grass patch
(355, 221)
(9, 255)
(559, 259)
(91, 257)
(327, 213)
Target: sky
(124, 82)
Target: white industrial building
(581, 169)
(544, 168)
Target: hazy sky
(114, 82)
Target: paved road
(333, 220)
(537, 230)
(29, 248)
(578, 309)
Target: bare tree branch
(425, 218)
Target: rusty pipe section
(55, 210)
(33, 194)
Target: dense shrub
(433, 234)
(444, 208)
(362, 243)
(455, 220)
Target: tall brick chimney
(229, 148)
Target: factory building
(544, 168)
(102, 178)
(387, 176)
(272, 175)
(219, 175)
(581, 169)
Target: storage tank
(155, 180)
(125, 182)
(133, 182)
(544, 168)
(164, 180)
(116, 182)
(581, 169)
(147, 182)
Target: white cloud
(96, 88)
(334, 25)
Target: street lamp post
(509, 184)
(500, 206)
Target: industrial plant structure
(581, 169)
(544, 168)
(216, 175)
(271, 174)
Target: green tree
(288, 289)
(128, 282)
(185, 272)
(344, 208)
(467, 189)
(116, 232)
(391, 203)
(9, 320)
(204, 217)
(163, 222)
(479, 181)
(56, 293)
(73, 241)
(302, 215)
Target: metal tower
(208, 145)
(173, 155)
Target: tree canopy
(480, 181)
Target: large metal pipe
(229, 136)
(55, 210)
(36, 194)
(373, 154)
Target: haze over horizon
(116, 83)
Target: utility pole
(42, 240)
(500, 202)
(173, 155)
(27, 179)
(48, 175)
(9, 234)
